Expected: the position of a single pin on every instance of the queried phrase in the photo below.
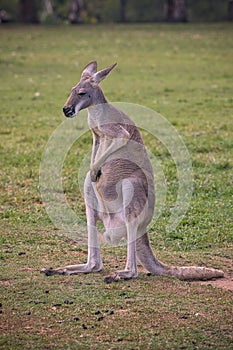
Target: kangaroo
(119, 188)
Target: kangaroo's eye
(81, 93)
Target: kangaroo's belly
(121, 184)
(125, 195)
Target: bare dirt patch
(225, 283)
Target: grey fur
(119, 188)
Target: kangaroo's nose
(69, 111)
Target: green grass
(183, 72)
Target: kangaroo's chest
(99, 134)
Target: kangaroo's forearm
(104, 152)
(95, 148)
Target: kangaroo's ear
(89, 70)
(102, 74)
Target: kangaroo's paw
(72, 269)
(95, 174)
(120, 275)
(51, 271)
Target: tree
(175, 11)
(28, 11)
(123, 4)
(75, 13)
(230, 10)
(49, 7)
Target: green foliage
(10, 7)
(209, 10)
(98, 11)
(144, 11)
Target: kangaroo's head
(87, 92)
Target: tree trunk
(175, 11)
(48, 6)
(230, 10)
(75, 14)
(123, 10)
(28, 11)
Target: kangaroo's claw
(51, 271)
(95, 174)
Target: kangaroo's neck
(98, 110)
(99, 97)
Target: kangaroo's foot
(120, 275)
(72, 269)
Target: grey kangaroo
(119, 188)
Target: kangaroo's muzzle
(69, 111)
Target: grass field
(183, 72)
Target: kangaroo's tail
(147, 258)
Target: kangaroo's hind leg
(94, 262)
(134, 207)
(130, 270)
